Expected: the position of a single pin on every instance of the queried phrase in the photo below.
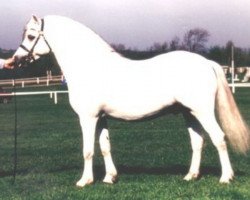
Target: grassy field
(152, 157)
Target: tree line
(194, 40)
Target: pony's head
(34, 44)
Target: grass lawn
(152, 157)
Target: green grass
(152, 157)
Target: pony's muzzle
(22, 61)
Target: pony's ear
(35, 18)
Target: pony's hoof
(191, 176)
(81, 183)
(227, 179)
(110, 179)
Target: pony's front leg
(111, 172)
(88, 125)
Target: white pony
(103, 83)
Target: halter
(30, 57)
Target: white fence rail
(239, 84)
(58, 80)
(46, 80)
(34, 82)
(52, 94)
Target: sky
(135, 23)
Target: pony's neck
(78, 50)
(67, 36)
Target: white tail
(232, 123)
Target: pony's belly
(135, 111)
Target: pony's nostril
(15, 57)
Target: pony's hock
(112, 85)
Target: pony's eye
(31, 37)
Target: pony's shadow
(99, 170)
(182, 170)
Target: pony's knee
(88, 155)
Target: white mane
(75, 33)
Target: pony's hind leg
(111, 172)
(194, 129)
(209, 123)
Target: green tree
(195, 40)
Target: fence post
(232, 65)
(55, 96)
